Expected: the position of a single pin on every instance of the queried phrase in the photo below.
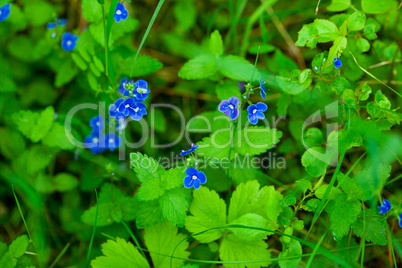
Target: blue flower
(68, 41)
(58, 23)
(141, 90)
(121, 12)
(192, 149)
(194, 178)
(262, 92)
(97, 123)
(95, 142)
(386, 206)
(113, 141)
(229, 107)
(114, 112)
(5, 12)
(255, 112)
(400, 220)
(122, 87)
(337, 63)
(130, 107)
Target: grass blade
(134, 239)
(147, 32)
(109, 23)
(310, 260)
(22, 215)
(372, 76)
(60, 255)
(93, 231)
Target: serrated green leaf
(18, 247)
(372, 227)
(237, 68)
(216, 43)
(145, 167)
(235, 249)
(208, 211)
(58, 137)
(149, 214)
(173, 178)
(201, 67)
(253, 220)
(110, 210)
(227, 89)
(320, 31)
(162, 239)
(248, 198)
(119, 254)
(174, 206)
(335, 51)
(91, 10)
(150, 189)
(333, 193)
(342, 215)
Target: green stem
(134, 238)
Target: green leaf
(119, 254)
(248, 198)
(38, 13)
(33, 125)
(145, 167)
(366, 184)
(150, 189)
(7, 261)
(237, 68)
(173, 178)
(349, 98)
(313, 137)
(174, 206)
(65, 182)
(227, 89)
(201, 67)
(144, 65)
(362, 44)
(253, 220)
(79, 61)
(273, 207)
(149, 214)
(18, 246)
(342, 215)
(372, 227)
(376, 7)
(314, 166)
(162, 239)
(293, 248)
(363, 91)
(58, 137)
(65, 73)
(304, 185)
(339, 5)
(335, 51)
(110, 209)
(208, 211)
(252, 141)
(320, 31)
(356, 21)
(333, 193)
(235, 249)
(91, 10)
(372, 26)
(290, 86)
(216, 43)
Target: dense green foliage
(300, 188)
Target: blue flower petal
(202, 177)
(188, 182)
(191, 171)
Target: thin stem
(106, 41)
